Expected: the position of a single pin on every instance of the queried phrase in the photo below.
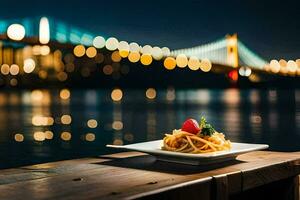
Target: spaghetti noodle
(185, 142)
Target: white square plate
(154, 148)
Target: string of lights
(40, 58)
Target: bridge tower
(232, 50)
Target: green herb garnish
(206, 129)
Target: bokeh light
(44, 50)
(116, 95)
(151, 93)
(107, 69)
(64, 94)
(36, 50)
(19, 137)
(92, 123)
(292, 66)
(14, 69)
(99, 58)
(66, 119)
(112, 44)
(62, 76)
(38, 120)
(157, 53)
(134, 57)
(181, 60)
(245, 71)
(48, 135)
(194, 63)
(16, 32)
(66, 136)
(115, 56)
(29, 65)
(205, 65)
(166, 51)
(171, 95)
(146, 59)
(44, 31)
(123, 45)
(99, 42)
(37, 95)
(170, 63)
(282, 63)
(91, 52)
(5, 69)
(275, 66)
(117, 125)
(39, 136)
(118, 142)
(79, 50)
(123, 53)
(134, 47)
(90, 137)
(147, 49)
(13, 82)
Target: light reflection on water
(47, 125)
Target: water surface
(47, 125)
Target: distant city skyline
(269, 28)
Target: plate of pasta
(194, 143)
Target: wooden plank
(292, 190)
(130, 176)
(108, 181)
(255, 177)
(57, 168)
(47, 170)
(191, 190)
(220, 184)
(286, 189)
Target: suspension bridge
(226, 55)
(227, 51)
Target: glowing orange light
(66, 136)
(115, 56)
(79, 51)
(5, 69)
(146, 59)
(90, 137)
(48, 135)
(107, 70)
(117, 125)
(233, 75)
(66, 119)
(91, 52)
(151, 93)
(14, 69)
(39, 136)
(116, 95)
(19, 137)
(64, 94)
(134, 57)
(170, 63)
(92, 123)
(124, 53)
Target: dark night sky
(270, 28)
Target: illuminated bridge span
(226, 51)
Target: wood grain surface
(133, 175)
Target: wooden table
(255, 175)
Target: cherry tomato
(191, 126)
